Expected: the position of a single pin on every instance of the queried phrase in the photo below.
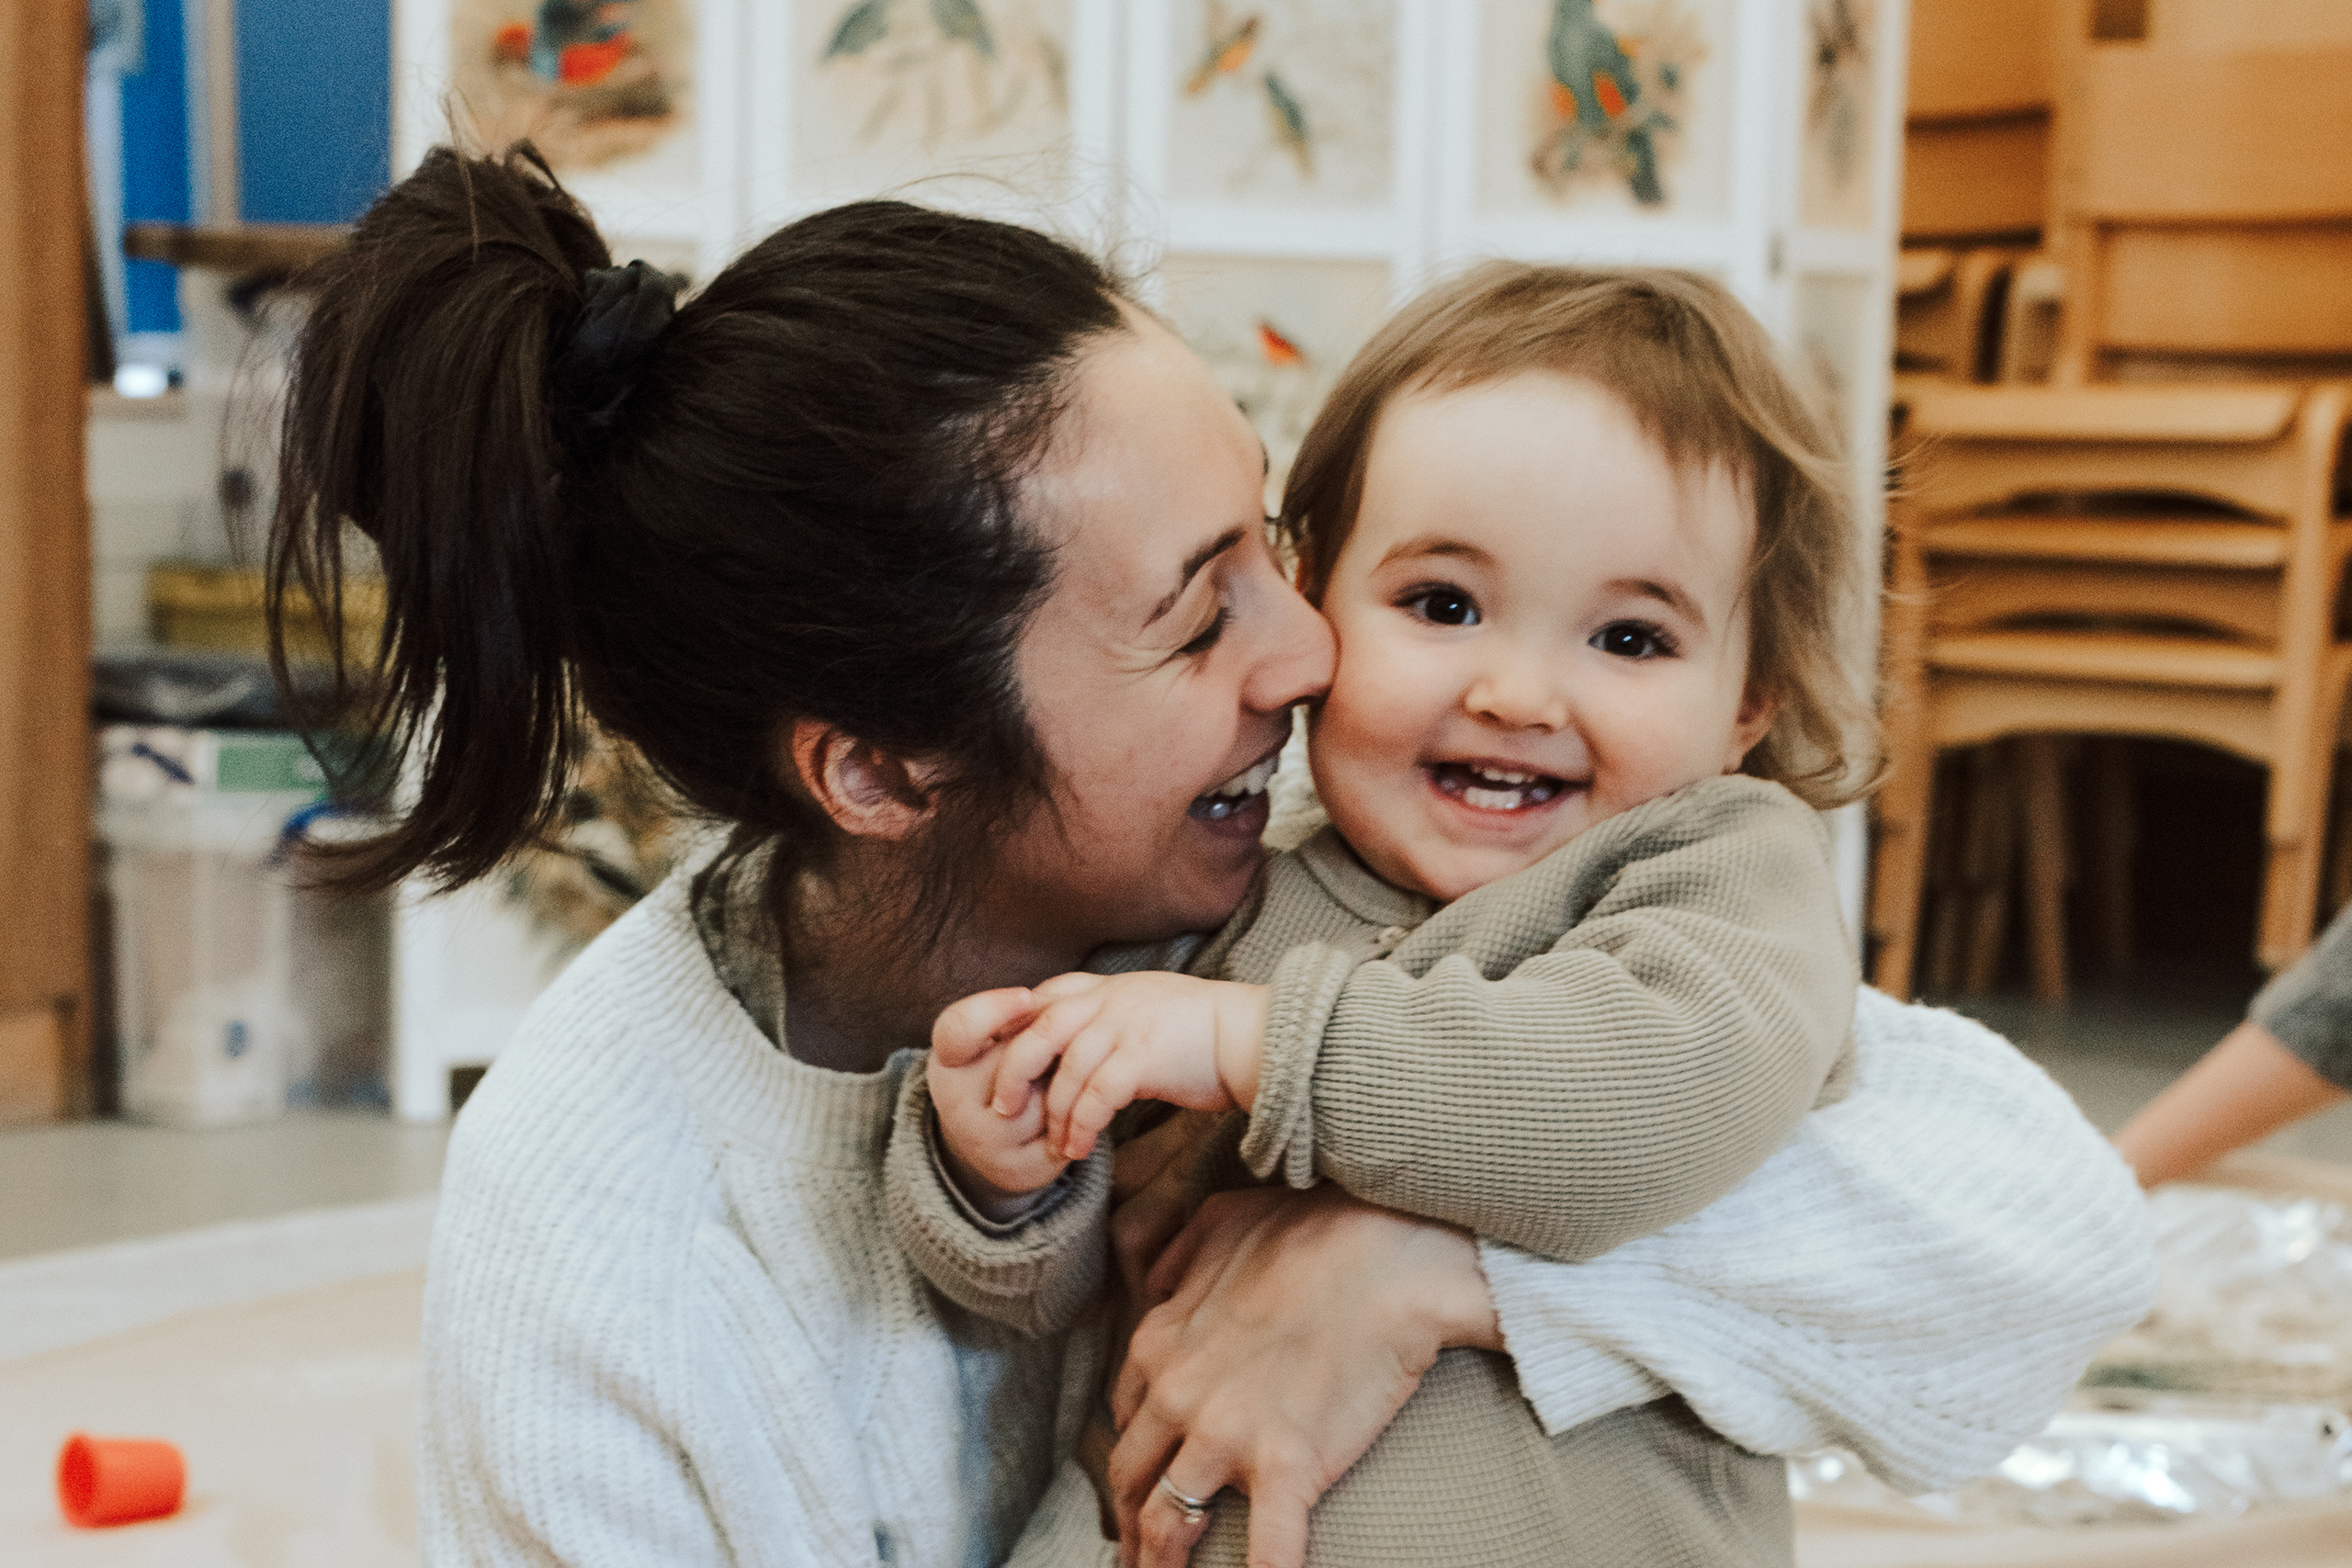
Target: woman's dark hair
(805, 505)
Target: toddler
(1566, 965)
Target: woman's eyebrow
(1193, 564)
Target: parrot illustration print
(1611, 100)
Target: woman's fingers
(1175, 1262)
(967, 1030)
(1172, 1288)
(1138, 1459)
(1167, 1528)
(1279, 1504)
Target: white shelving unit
(1278, 174)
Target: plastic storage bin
(237, 989)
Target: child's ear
(867, 792)
(1759, 707)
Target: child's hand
(1147, 1036)
(995, 1158)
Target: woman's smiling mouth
(1238, 793)
(1487, 787)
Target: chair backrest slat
(2210, 136)
(2202, 201)
(2283, 292)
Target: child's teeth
(1492, 799)
(1499, 777)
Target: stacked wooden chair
(2150, 545)
(1948, 309)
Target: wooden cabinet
(44, 569)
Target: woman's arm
(2242, 1090)
(1291, 1328)
(1586, 1052)
(1920, 1276)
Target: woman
(912, 551)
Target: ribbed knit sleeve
(1035, 1277)
(1586, 1052)
(1921, 1275)
(2308, 1006)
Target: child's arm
(1586, 1052)
(1034, 1274)
(985, 1210)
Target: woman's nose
(1299, 656)
(1518, 693)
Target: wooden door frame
(45, 825)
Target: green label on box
(257, 763)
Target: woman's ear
(867, 792)
(1759, 707)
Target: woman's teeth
(1495, 789)
(1236, 792)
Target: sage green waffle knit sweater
(1566, 1059)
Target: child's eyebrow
(1665, 593)
(1437, 545)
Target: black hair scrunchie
(628, 310)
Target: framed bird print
(1281, 102)
(1827, 347)
(1604, 107)
(633, 104)
(888, 91)
(592, 83)
(1835, 166)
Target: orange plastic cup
(119, 1480)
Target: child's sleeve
(1034, 1274)
(1586, 1052)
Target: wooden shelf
(239, 247)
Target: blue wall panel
(154, 161)
(314, 121)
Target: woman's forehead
(1152, 463)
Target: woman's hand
(1290, 1328)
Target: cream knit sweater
(664, 1323)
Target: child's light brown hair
(1704, 381)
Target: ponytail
(797, 498)
(420, 412)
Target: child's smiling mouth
(1492, 786)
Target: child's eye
(1209, 634)
(1444, 606)
(1633, 640)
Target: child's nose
(1518, 695)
